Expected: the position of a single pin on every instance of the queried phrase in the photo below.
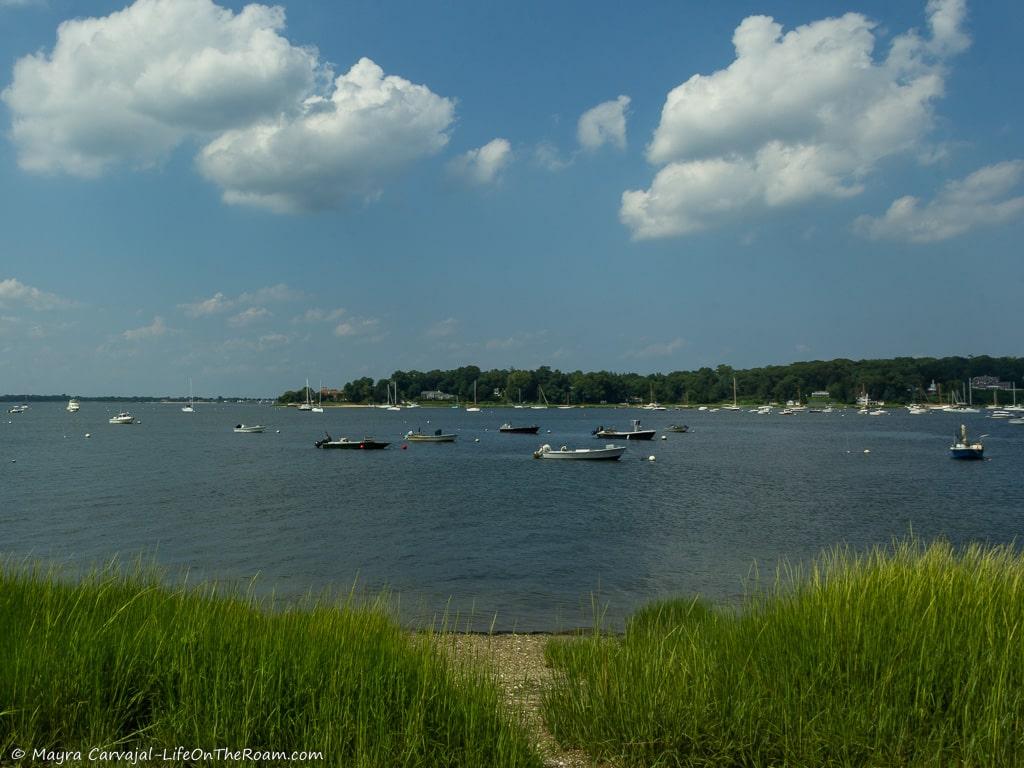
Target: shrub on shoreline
(119, 661)
(903, 657)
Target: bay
(478, 528)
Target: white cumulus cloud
(796, 116)
(483, 164)
(980, 199)
(13, 291)
(278, 130)
(153, 330)
(335, 148)
(604, 124)
(129, 87)
(219, 303)
(249, 316)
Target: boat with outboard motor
(609, 453)
(249, 429)
(122, 418)
(437, 437)
(73, 405)
(366, 444)
(677, 428)
(626, 434)
(524, 430)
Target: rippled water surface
(479, 526)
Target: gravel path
(518, 661)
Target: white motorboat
(73, 405)
(17, 409)
(249, 429)
(122, 418)
(609, 453)
(436, 437)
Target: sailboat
(567, 405)
(473, 408)
(393, 404)
(189, 408)
(306, 406)
(654, 405)
(319, 408)
(544, 399)
(734, 406)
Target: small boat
(190, 408)
(629, 434)
(122, 418)
(677, 428)
(319, 407)
(609, 453)
(308, 405)
(962, 448)
(437, 437)
(474, 408)
(530, 430)
(366, 444)
(249, 429)
(73, 405)
(17, 409)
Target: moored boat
(677, 428)
(521, 430)
(962, 448)
(249, 429)
(437, 437)
(365, 444)
(17, 409)
(73, 405)
(609, 453)
(626, 434)
(122, 418)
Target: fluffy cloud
(123, 88)
(334, 149)
(801, 115)
(482, 165)
(978, 200)
(219, 303)
(153, 330)
(357, 326)
(317, 315)
(249, 316)
(279, 130)
(13, 291)
(604, 124)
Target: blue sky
(252, 195)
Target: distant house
(435, 394)
(821, 394)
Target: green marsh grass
(906, 656)
(120, 661)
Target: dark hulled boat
(530, 430)
(625, 434)
(365, 444)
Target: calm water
(479, 525)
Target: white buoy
(867, 450)
(476, 440)
(88, 435)
(664, 437)
(650, 458)
(277, 431)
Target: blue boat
(962, 448)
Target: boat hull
(609, 453)
(519, 430)
(431, 438)
(368, 444)
(967, 453)
(643, 434)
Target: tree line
(897, 380)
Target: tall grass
(907, 656)
(118, 660)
